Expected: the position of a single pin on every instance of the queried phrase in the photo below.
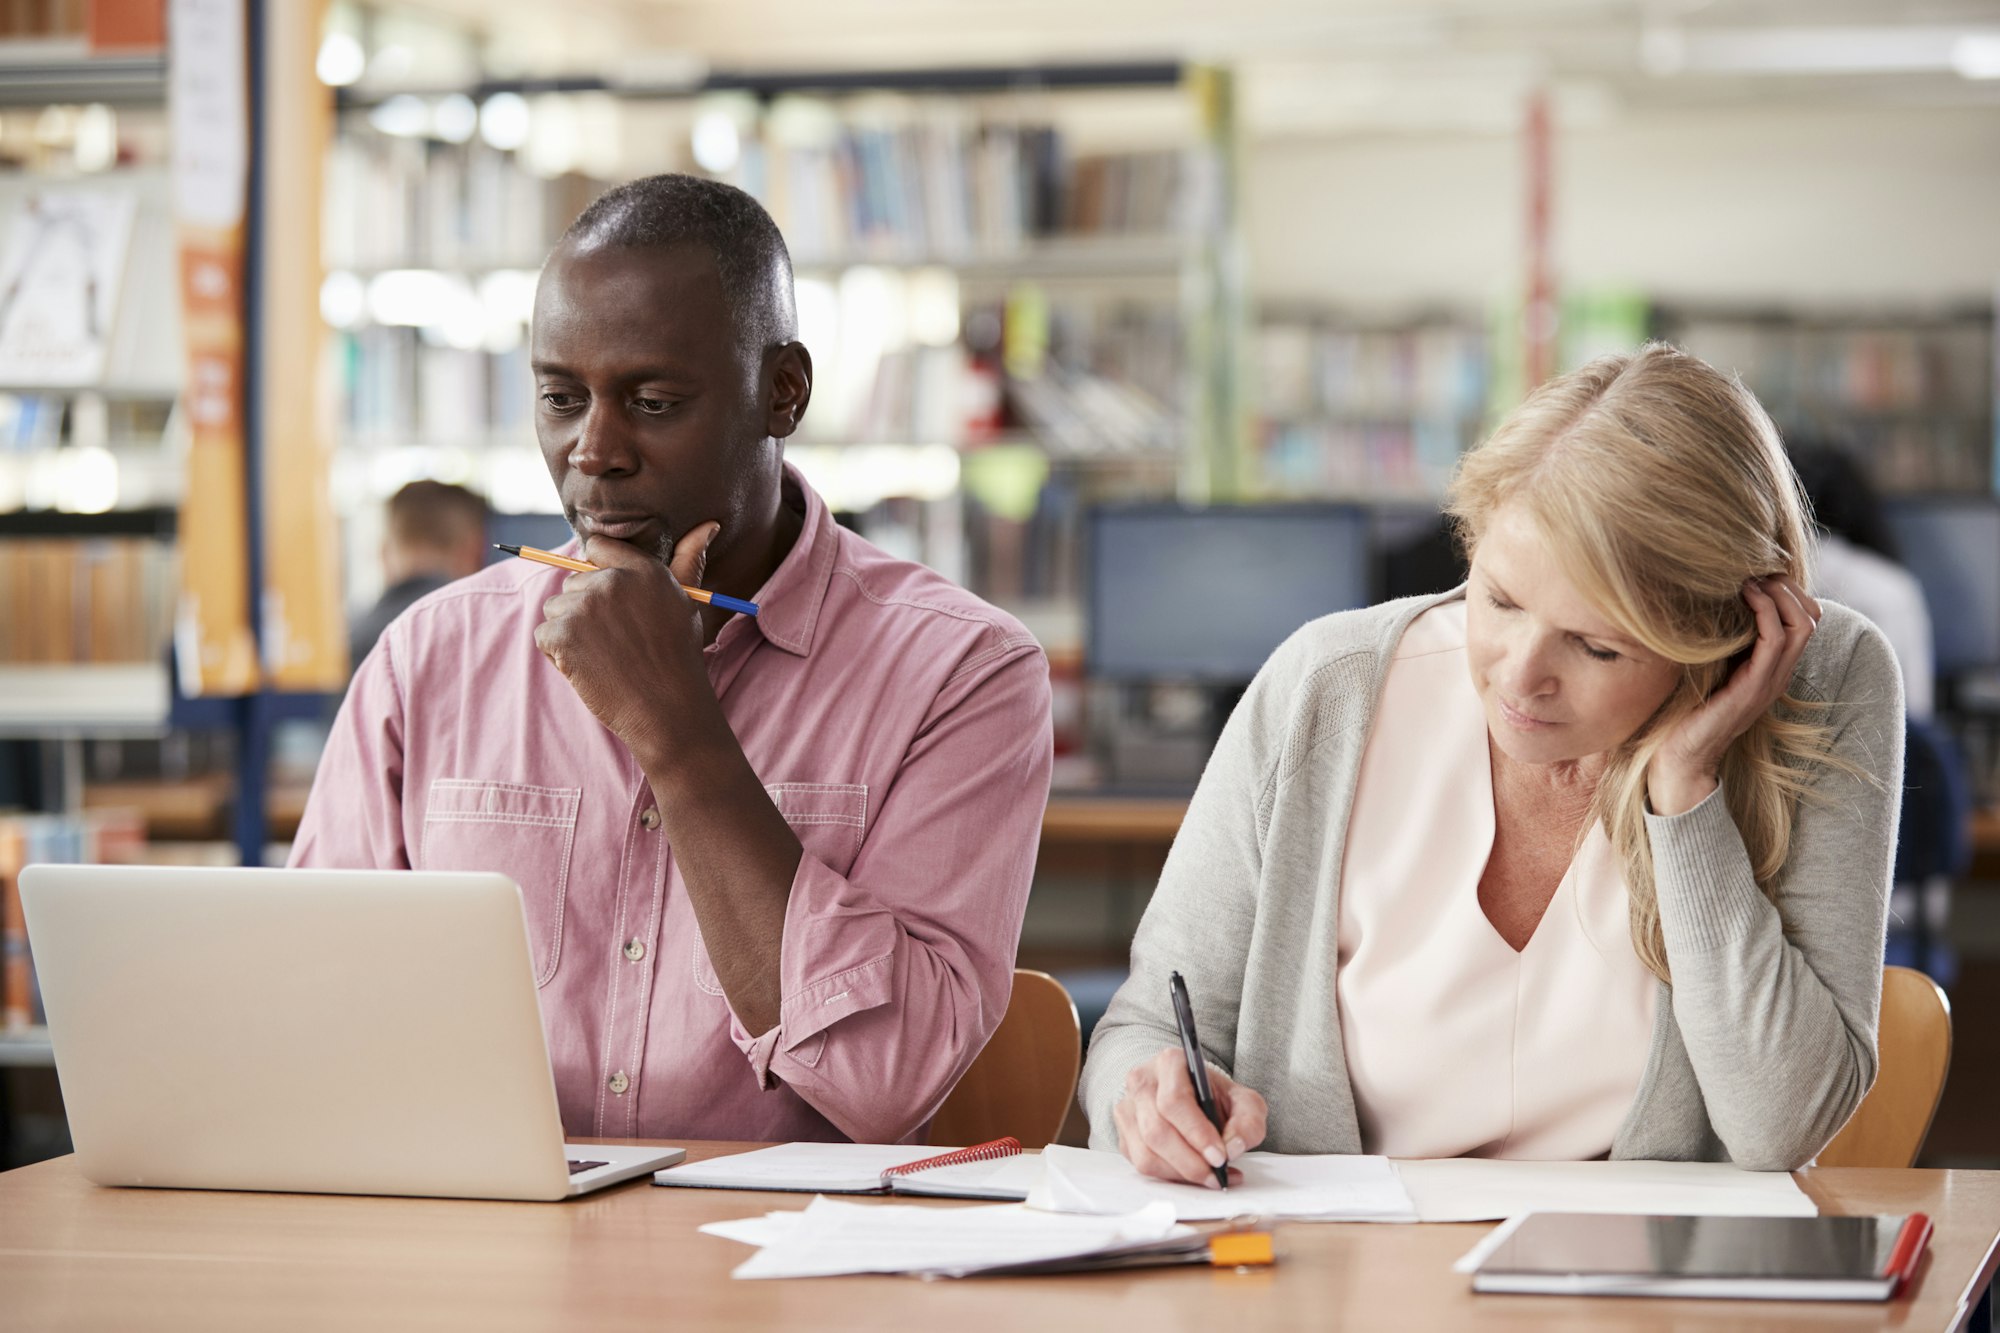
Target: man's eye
(652, 407)
(559, 402)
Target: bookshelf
(97, 463)
(1912, 391)
(119, 699)
(982, 268)
(1366, 411)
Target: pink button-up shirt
(899, 723)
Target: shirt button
(635, 949)
(619, 1082)
(651, 819)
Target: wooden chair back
(1914, 1042)
(1024, 1081)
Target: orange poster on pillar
(208, 100)
(304, 632)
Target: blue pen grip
(736, 604)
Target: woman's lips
(1516, 718)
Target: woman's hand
(1162, 1131)
(1686, 768)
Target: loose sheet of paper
(833, 1237)
(1326, 1188)
(1469, 1261)
(759, 1231)
(1477, 1189)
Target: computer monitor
(1205, 595)
(1952, 544)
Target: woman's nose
(1523, 671)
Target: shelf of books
(1019, 275)
(1380, 410)
(90, 431)
(1366, 412)
(1910, 391)
(95, 838)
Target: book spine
(17, 985)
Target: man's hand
(629, 641)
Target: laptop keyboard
(578, 1168)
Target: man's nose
(601, 447)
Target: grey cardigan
(1763, 1045)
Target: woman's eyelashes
(1594, 654)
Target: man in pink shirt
(774, 867)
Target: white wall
(1846, 207)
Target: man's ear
(791, 389)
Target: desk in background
(76, 1256)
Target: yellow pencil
(701, 595)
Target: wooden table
(73, 1256)
(1078, 818)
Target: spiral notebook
(996, 1170)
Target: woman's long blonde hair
(1661, 486)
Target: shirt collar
(788, 605)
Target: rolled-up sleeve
(354, 815)
(895, 974)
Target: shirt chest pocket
(525, 833)
(828, 819)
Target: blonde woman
(1588, 858)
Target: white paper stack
(833, 1237)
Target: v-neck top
(1457, 1045)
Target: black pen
(1204, 1096)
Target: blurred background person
(1859, 565)
(437, 533)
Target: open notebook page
(1329, 1188)
(1003, 1178)
(831, 1168)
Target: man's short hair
(435, 515)
(675, 209)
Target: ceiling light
(1977, 55)
(503, 121)
(341, 60)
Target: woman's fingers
(1164, 1133)
(1244, 1113)
(1155, 1130)
(1799, 614)
(1170, 1144)
(1176, 1104)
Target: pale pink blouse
(1457, 1046)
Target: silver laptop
(324, 1031)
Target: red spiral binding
(983, 1152)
